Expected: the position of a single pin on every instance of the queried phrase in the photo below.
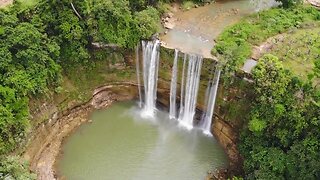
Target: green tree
(290, 3)
(11, 167)
(13, 119)
(147, 22)
(63, 26)
(28, 67)
(283, 127)
(29, 57)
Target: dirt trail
(315, 3)
(4, 3)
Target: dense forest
(38, 43)
(280, 138)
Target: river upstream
(194, 31)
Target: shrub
(11, 167)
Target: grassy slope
(235, 44)
(24, 3)
(28, 3)
(299, 50)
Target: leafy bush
(290, 3)
(147, 22)
(113, 22)
(13, 119)
(163, 7)
(186, 5)
(11, 167)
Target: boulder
(169, 25)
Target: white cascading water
(138, 75)
(150, 51)
(173, 87)
(182, 85)
(211, 95)
(191, 91)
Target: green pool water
(121, 145)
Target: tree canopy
(290, 3)
(28, 66)
(282, 140)
(38, 43)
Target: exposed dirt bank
(4, 3)
(315, 3)
(259, 51)
(46, 140)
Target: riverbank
(195, 30)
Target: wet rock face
(102, 99)
(228, 138)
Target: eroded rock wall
(45, 141)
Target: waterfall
(182, 85)
(191, 91)
(150, 75)
(211, 95)
(138, 75)
(173, 87)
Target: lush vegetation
(36, 41)
(235, 44)
(280, 136)
(12, 168)
(28, 66)
(290, 3)
(299, 49)
(43, 41)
